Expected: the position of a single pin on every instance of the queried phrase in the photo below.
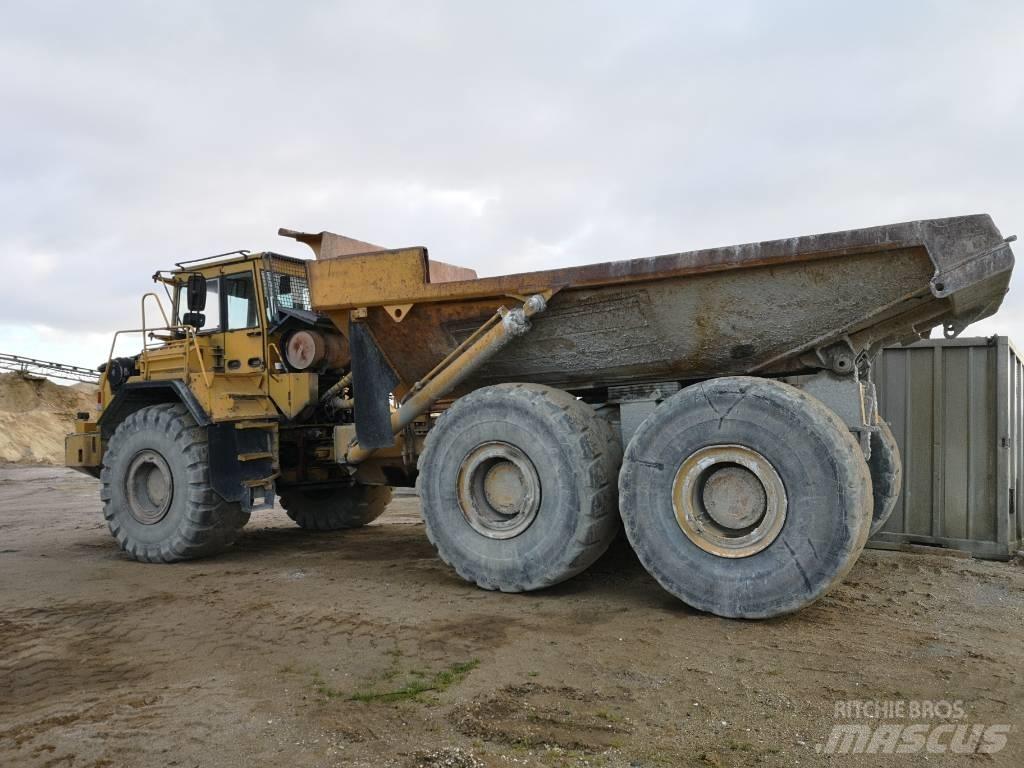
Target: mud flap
(235, 479)
(372, 383)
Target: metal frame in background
(956, 407)
(48, 368)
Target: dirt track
(278, 653)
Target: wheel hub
(729, 500)
(499, 490)
(149, 487)
(734, 497)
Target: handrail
(142, 307)
(199, 354)
(191, 340)
(190, 337)
(273, 347)
(159, 305)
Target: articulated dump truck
(718, 404)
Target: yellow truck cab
(212, 366)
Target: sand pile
(36, 414)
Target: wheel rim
(149, 487)
(499, 490)
(729, 500)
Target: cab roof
(225, 260)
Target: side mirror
(196, 319)
(196, 293)
(284, 285)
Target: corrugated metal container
(957, 409)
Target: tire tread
(599, 461)
(209, 524)
(350, 507)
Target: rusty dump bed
(759, 308)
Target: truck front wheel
(157, 497)
(335, 508)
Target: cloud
(504, 137)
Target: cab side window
(240, 301)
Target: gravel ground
(363, 649)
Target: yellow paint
(293, 392)
(377, 278)
(84, 449)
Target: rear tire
(745, 497)
(886, 468)
(157, 497)
(335, 509)
(517, 487)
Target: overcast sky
(503, 136)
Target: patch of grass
(437, 683)
(324, 689)
(410, 691)
(454, 674)
(393, 668)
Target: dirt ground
(363, 649)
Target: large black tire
(810, 532)
(886, 468)
(157, 497)
(337, 508)
(559, 514)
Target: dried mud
(363, 649)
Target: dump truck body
(750, 309)
(528, 407)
